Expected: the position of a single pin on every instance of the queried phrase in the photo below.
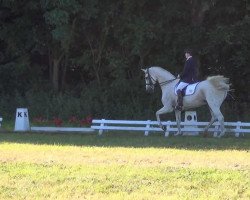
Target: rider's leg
(179, 95)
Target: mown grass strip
(118, 166)
(128, 139)
(37, 181)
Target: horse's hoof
(178, 133)
(164, 128)
(166, 134)
(205, 134)
(220, 135)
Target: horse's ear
(144, 70)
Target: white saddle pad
(189, 90)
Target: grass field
(123, 166)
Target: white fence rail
(148, 126)
(60, 129)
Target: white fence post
(237, 131)
(102, 125)
(147, 126)
(167, 130)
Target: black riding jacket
(189, 73)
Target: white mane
(162, 72)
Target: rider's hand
(178, 76)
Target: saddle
(188, 90)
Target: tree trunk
(63, 74)
(50, 63)
(198, 9)
(56, 70)
(247, 9)
(55, 75)
(66, 58)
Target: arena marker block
(22, 120)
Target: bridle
(151, 84)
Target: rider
(188, 75)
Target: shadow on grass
(128, 139)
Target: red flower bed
(56, 121)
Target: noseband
(151, 84)
(150, 78)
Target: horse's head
(150, 80)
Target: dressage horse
(211, 91)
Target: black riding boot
(179, 100)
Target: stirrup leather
(178, 107)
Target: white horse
(211, 91)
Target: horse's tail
(219, 82)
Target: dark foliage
(66, 57)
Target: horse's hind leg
(218, 115)
(220, 118)
(213, 119)
(222, 126)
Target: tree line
(83, 57)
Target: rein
(167, 82)
(161, 84)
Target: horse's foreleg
(163, 110)
(178, 121)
